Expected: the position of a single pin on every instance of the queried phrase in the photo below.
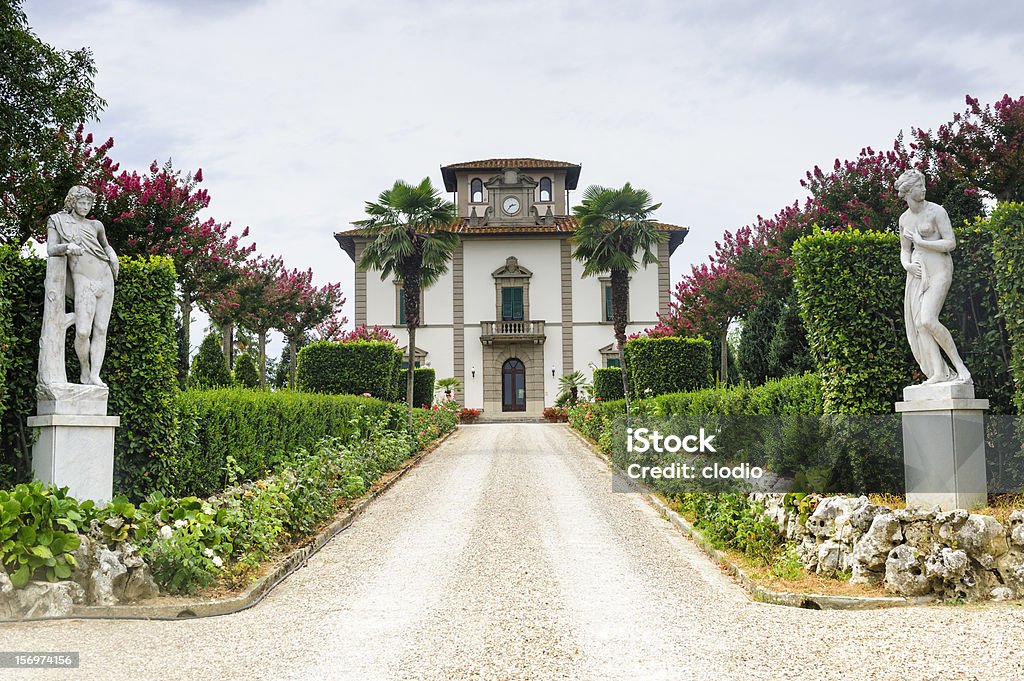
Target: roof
(571, 178)
(562, 225)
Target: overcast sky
(300, 111)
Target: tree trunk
(185, 306)
(292, 355)
(724, 368)
(410, 374)
(263, 358)
(228, 343)
(620, 317)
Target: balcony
(523, 331)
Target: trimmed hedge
(1007, 228)
(666, 365)
(850, 287)
(141, 370)
(260, 429)
(422, 386)
(139, 367)
(608, 384)
(351, 368)
(793, 395)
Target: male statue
(81, 266)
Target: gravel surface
(505, 555)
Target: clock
(510, 205)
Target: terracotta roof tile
(511, 163)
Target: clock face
(510, 205)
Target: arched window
(545, 189)
(476, 191)
(513, 386)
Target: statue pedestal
(944, 446)
(75, 448)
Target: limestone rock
(948, 523)
(904, 572)
(139, 585)
(40, 599)
(108, 578)
(829, 558)
(983, 538)
(872, 550)
(1002, 593)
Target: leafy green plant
(351, 368)
(573, 387)
(787, 565)
(422, 387)
(448, 385)
(608, 384)
(667, 365)
(39, 528)
(246, 373)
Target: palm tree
(571, 385)
(410, 237)
(615, 225)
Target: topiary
(246, 374)
(210, 368)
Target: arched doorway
(513, 386)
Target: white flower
(166, 531)
(217, 561)
(208, 553)
(180, 522)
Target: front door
(513, 386)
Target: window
(608, 302)
(512, 303)
(401, 305)
(613, 362)
(476, 191)
(545, 189)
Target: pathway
(505, 555)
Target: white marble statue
(926, 240)
(81, 266)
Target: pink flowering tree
(157, 214)
(365, 333)
(65, 158)
(262, 301)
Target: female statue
(926, 240)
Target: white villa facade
(514, 312)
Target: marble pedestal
(944, 446)
(75, 448)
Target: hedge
(246, 373)
(258, 430)
(665, 365)
(608, 384)
(351, 368)
(850, 287)
(422, 386)
(139, 367)
(1007, 228)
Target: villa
(514, 313)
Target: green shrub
(422, 387)
(351, 368)
(730, 521)
(608, 384)
(210, 367)
(258, 429)
(1007, 227)
(665, 365)
(246, 373)
(39, 528)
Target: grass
(1000, 506)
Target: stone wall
(912, 552)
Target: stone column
(75, 448)
(944, 446)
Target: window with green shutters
(401, 305)
(512, 304)
(608, 303)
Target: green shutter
(511, 303)
(608, 303)
(401, 305)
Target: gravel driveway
(505, 555)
